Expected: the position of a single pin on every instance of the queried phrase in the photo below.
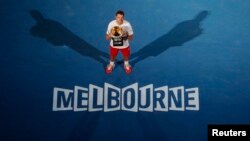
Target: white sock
(112, 63)
(126, 63)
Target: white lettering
(177, 99)
(215, 132)
(62, 99)
(193, 99)
(111, 98)
(130, 98)
(95, 99)
(161, 98)
(80, 98)
(146, 100)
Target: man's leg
(111, 65)
(126, 55)
(112, 59)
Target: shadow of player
(180, 34)
(58, 35)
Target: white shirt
(126, 26)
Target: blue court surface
(197, 50)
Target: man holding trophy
(119, 33)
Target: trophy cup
(117, 36)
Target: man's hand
(108, 36)
(125, 35)
(130, 37)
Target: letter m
(62, 99)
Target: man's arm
(130, 32)
(108, 32)
(108, 37)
